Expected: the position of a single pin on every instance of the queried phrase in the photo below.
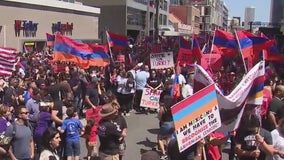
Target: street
(141, 135)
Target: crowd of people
(41, 111)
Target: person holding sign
(154, 82)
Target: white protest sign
(162, 60)
(150, 98)
(196, 117)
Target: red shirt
(93, 113)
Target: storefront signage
(63, 28)
(29, 28)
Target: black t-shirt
(74, 82)
(93, 94)
(54, 90)
(121, 122)
(109, 134)
(154, 82)
(248, 142)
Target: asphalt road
(141, 136)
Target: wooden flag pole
(240, 51)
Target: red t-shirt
(93, 113)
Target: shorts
(167, 128)
(72, 148)
(104, 156)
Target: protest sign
(150, 98)
(185, 56)
(196, 117)
(162, 60)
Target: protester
(276, 107)
(166, 124)
(43, 123)
(22, 146)
(110, 134)
(32, 106)
(278, 140)
(72, 127)
(126, 94)
(5, 114)
(252, 141)
(50, 143)
(141, 79)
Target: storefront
(26, 23)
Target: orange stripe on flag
(196, 113)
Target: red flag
(224, 43)
(50, 38)
(196, 49)
(252, 45)
(117, 41)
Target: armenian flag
(84, 55)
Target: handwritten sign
(185, 56)
(162, 60)
(150, 98)
(196, 117)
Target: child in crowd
(72, 127)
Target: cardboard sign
(150, 98)
(196, 117)
(162, 60)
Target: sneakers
(164, 157)
(127, 114)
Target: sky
(237, 8)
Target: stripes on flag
(190, 108)
(7, 61)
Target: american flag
(8, 60)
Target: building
(224, 16)
(188, 15)
(129, 17)
(179, 27)
(277, 12)
(249, 17)
(26, 22)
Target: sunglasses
(24, 112)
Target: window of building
(135, 16)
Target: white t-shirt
(278, 143)
(181, 78)
(187, 90)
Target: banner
(196, 117)
(248, 91)
(162, 60)
(150, 98)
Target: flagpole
(211, 49)
(110, 51)
(240, 51)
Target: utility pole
(156, 34)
